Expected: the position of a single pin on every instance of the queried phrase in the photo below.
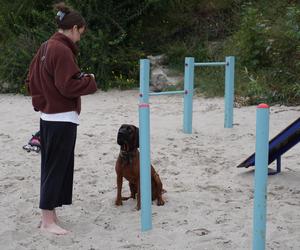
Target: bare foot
(55, 220)
(55, 217)
(54, 229)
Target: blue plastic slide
(281, 143)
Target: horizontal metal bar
(210, 64)
(167, 93)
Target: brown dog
(128, 166)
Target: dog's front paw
(138, 206)
(118, 202)
(160, 202)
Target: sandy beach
(209, 202)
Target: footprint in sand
(108, 226)
(180, 187)
(13, 236)
(198, 231)
(172, 172)
(5, 136)
(211, 188)
(210, 171)
(137, 247)
(80, 155)
(181, 208)
(89, 135)
(181, 222)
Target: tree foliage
(268, 47)
(263, 35)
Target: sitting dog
(128, 166)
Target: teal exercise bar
(229, 91)
(144, 140)
(229, 87)
(167, 93)
(211, 64)
(261, 177)
(144, 120)
(189, 66)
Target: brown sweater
(54, 80)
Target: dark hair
(66, 17)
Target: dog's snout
(122, 137)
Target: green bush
(264, 36)
(109, 49)
(23, 26)
(267, 47)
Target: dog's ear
(137, 137)
(118, 133)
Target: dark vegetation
(264, 36)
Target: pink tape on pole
(263, 106)
(144, 105)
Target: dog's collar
(127, 155)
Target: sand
(209, 202)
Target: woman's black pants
(57, 163)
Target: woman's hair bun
(66, 17)
(62, 7)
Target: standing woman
(56, 83)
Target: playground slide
(280, 144)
